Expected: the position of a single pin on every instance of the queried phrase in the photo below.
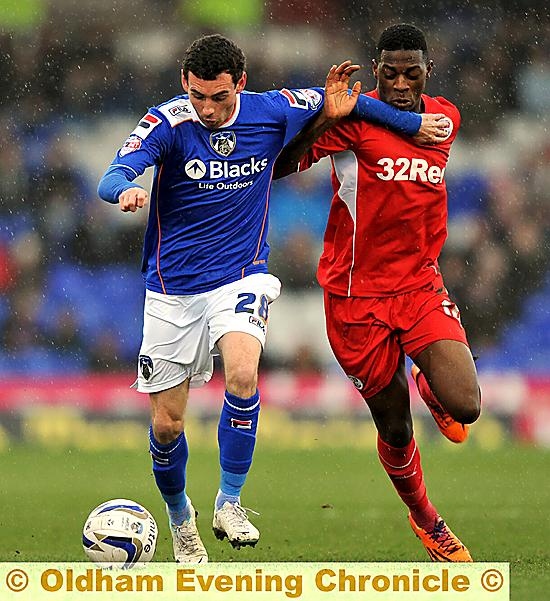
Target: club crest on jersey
(146, 366)
(223, 142)
(241, 424)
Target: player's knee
(468, 409)
(242, 381)
(396, 434)
(166, 429)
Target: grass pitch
(315, 505)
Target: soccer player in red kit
(384, 294)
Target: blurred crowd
(70, 290)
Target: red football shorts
(369, 335)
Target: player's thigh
(437, 343)
(366, 348)
(450, 370)
(241, 355)
(238, 315)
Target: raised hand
(338, 102)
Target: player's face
(214, 100)
(401, 77)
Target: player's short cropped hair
(402, 36)
(211, 55)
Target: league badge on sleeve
(132, 144)
(313, 97)
(302, 99)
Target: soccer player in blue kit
(205, 255)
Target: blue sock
(169, 465)
(230, 488)
(236, 439)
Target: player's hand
(338, 103)
(133, 199)
(435, 128)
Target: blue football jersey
(209, 204)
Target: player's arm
(426, 128)
(339, 103)
(116, 186)
(143, 148)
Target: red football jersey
(388, 218)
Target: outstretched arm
(338, 103)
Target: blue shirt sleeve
(376, 111)
(115, 180)
(298, 106)
(145, 147)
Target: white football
(119, 533)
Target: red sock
(405, 471)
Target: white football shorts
(180, 332)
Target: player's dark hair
(402, 36)
(211, 55)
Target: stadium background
(75, 79)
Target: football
(119, 533)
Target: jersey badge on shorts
(256, 321)
(356, 382)
(146, 366)
(450, 309)
(223, 142)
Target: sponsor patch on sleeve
(132, 144)
(146, 126)
(177, 111)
